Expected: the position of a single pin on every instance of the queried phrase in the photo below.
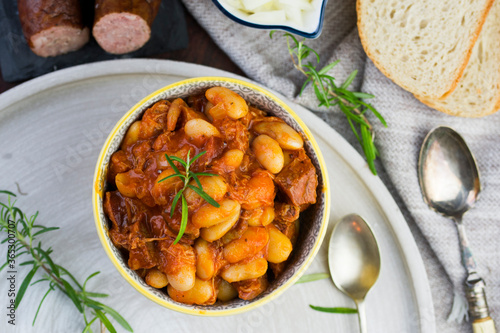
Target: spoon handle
(467, 258)
(478, 307)
(362, 316)
(485, 325)
(474, 287)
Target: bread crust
(460, 71)
(441, 108)
(480, 83)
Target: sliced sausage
(123, 26)
(52, 27)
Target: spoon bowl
(448, 174)
(354, 260)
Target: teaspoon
(354, 261)
(449, 180)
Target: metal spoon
(449, 180)
(354, 261)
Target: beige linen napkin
(267, 61)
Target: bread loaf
(423, 46)
(478, 91)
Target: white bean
(226, 291)
(286, 136)
(132, 135)
(231, 159)
(199, 128)
(261, 216)
(202, 293)
(217, 231)
(269, 153)
(223, 98)
(183, 280)
(156, 279)
(243, 271)
(181, 266)
(205, 259)
(248, 245)
(214, 186)
(279, 247)
(209, 215)
(126, 184)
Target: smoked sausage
(123, 26)
(52, 27)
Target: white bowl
(311, 27)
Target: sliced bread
(422, 45)
(478, 91)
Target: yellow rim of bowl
(102, 233)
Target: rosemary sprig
(21, 236)
(186, 177)
(329, 94)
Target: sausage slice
(123, 26)
(52, 27)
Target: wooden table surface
(201, 50)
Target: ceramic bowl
(312, 19)
(313, 221)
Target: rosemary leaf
(88, 278)
(29, 262)
(204, 196)
(313, 277)
(327, 68)
(10, 194)
(44, 255)
(44, 230)
(38, 281)
(362, 95)
(71, 292)
(195, 177)
(40, 305)
(88, 328)
(174, 202)
(24, 286)
(203, 174)
(105, 321)
(66, 272)
(98, 295)
(172, 165)
(304, 86)
(183, 219)
(171, 176)
(180, 160)
(349, 80)
(116, 316)
(334, 310)
(198, 156)
(310, 50)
